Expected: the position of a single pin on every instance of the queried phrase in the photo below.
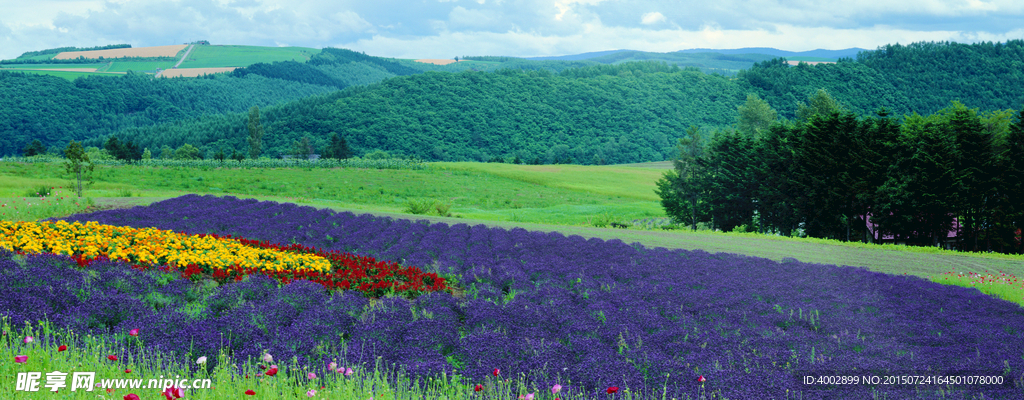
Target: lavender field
(551, 308)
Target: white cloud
(652, 18)
(507, 27)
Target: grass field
(564, 198)
(209, 56)
(555, 198)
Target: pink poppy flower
(20, 359)
(172, 393)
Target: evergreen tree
(337, 149)
(301, 149)
(34, 149)
(255, 133)
(754, 116)
(1013, 179)
(682, 190)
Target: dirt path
(183, 57)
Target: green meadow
(572, 199)
(211, 56)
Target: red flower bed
(349, 272)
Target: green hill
(492, 108)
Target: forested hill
(630, 112)
(54, 110)
(605, 114)
(921, 78)
(548, 111)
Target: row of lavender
(599, 313)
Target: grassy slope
(243, 56)
(553, 198)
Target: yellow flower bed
(150, 246)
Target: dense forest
(55, 110)
(537, 111)
(594, 115)
(953, 178)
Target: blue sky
(449, 28)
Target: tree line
(952, 178)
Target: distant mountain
(829, 54)
(577, 57)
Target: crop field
(475, 300)
(138, 66)
(541, 309)
(436, 61)
(212, 56)
(154, 51)
(193, 72)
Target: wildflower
(348, 371)
(28, 339)
(131, 396)
(527, 397)
(701, 379)
(127, 371)
(112, 357)
(250, 392)
(555, 389)
(311, 375)
(174, 392)
(272, 371)
(311, 393)
(201, 360)
(478, 388)
(267, 358)
(332, 366)
(497, 371)
(612, 389)
(20, 359)
(62, 348)
(134, 332)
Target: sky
(523, 28)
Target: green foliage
(255, 133)
(338, 149)
(54, 110)
(301, 149)
(78, 163)
(33, 149)
(754, 116)
(187, 152)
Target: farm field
(653, 324)
(138, 66)
(154, 51)
(193, 72)
(562, 198)
(211, 56)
